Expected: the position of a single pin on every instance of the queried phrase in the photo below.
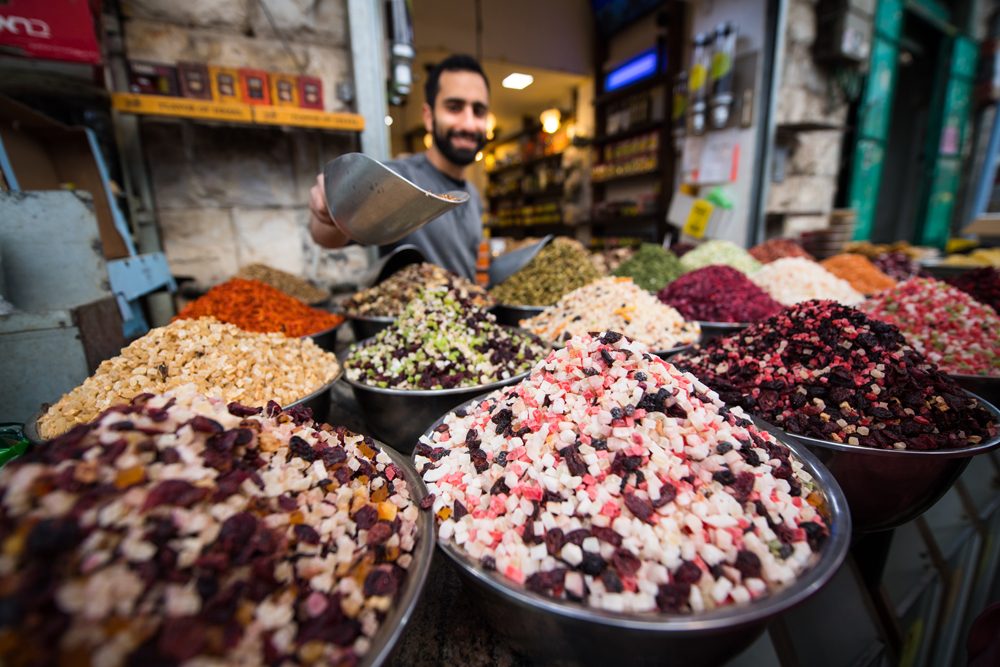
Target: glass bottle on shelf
(698, 82)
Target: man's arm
(321, 226)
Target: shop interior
(716, 384)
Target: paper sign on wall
(697, 219)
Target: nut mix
(253, 306)
(442, 342)
(651, 267)
(619, 304)
(719, 252)
(609, 477)
(828, 371)
(218, 358)
(983, 285)
(288, 283)
(859, 271)
(606, 261)
(773, 249)
(719, 294)
(389, 298)
(558, 268)
(792, 279)
(949, 327)
(177, 529)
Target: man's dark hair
(458, 62)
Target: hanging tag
(697, 220)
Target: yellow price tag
(697, 220)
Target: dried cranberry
(592, 564)
(554, 541)
(50, 537)
(460, 510)
(379, 533)
(306, 534)
(203, 424)
(673, 597)
(240, 410)
(688, 573)
(425, 503)
(174, 492)
(606, 534)
(747, 563)
(640, 507)
(625, 562)
(380, 581)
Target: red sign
(52, 30)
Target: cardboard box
(194, 80)
(284, 90)
(152, 78)
(310, 92)
(46, 155)
(986, 226)
(225, 84)
(253, 87)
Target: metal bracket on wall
(134, 277)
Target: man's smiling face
(458, 120)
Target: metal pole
(368, 57)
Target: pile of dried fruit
(719, 252)
(253, 306)
(829, 371)
(180, 530)
(982, 284)
(792, 279)
(218, 358)
(389, 298)
(609, 477)
(441, 342)
(619, 304)
(859, 272)
(719, 294)
(560, 267)
(945, 324)
(651, 267)
(288, 283)
(773, 249)
(897, 265)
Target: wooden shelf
(654, 216)
(521, 165)
(625, 177)
(642, 128)
(540, 194)
(242, 114)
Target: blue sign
(642, 66)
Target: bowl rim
(318, 391)
(423, 555)
(521, 308)
(957, 453)
(978, 378)
(833, 554)
(380, 319)
(723, 325)
(664, 354)
(327, 330)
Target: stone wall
(228, 195)
(810, 117)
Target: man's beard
(463, 157)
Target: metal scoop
(374, 205)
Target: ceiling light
(491, 125)
(479, 156)
(388, 120)
(517, 81)
(427, 140)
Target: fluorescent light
(517, 81)
(640, 67)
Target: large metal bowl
(395, 621)
(886, 488)
(366, 327)
(318, 401)
(512, 315)
(398, 417)
(710, 330)
(557, 632)
(666, 354)
(326, 339)
(985, 386)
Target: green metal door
(949, 136)
(874, 115)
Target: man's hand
(321, 226)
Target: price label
(697, 220)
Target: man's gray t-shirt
(452, 239)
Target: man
(457, 101)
